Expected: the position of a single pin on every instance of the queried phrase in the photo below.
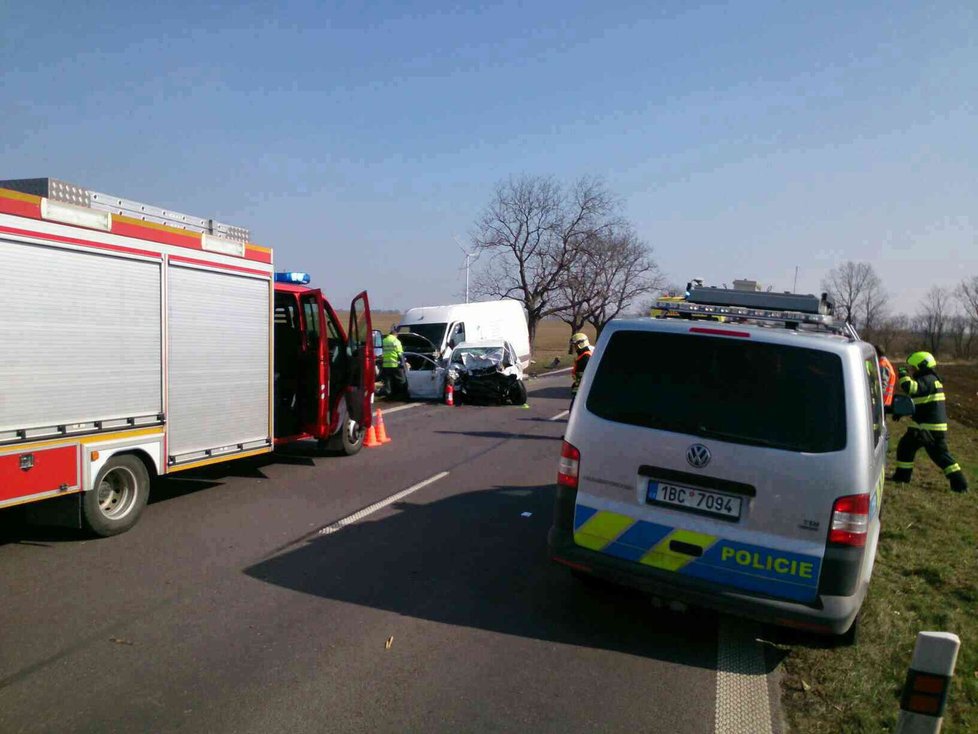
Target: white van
(733, 466)
(445, 327)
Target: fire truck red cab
(324, 376)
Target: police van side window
(875, 399)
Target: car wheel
(517, 393)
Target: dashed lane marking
(743, 703)
(401, 407)
(559, 415)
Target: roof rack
(52, 188)
(790, 310)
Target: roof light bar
(295, 278)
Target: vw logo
(698, 455)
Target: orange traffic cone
(381, 431)
(371, 439)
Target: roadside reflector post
(928, 680)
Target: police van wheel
(850, 637)
(117, 498)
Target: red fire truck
(136, 341)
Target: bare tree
(958, 333)
(533, 232)
(967, 295)
(931, 319)
(857, 292)
(623, 271)
(889, 330)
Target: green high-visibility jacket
(392, 351)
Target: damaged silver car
(486, 372)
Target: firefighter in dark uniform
(928, 427)
(582, 346)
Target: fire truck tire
(352, 437)
(117, 498)
(348, 440)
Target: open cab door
(362, 373)
(314, 376)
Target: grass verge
(926, 578)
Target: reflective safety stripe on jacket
(580, 364)
(578, 369)
(927, 393)
(392, 352)
(889, 380)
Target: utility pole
(794, 288)
(474, 256)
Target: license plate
(694, 499)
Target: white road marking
(743, 702)
(559, 415)
(555, 372)
(369, 510)
(401, 407)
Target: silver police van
(730, 456)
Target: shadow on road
(475, 560)
(552, 392)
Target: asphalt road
(228, 609)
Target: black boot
(901, 476)
(958, 481)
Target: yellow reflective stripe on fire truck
(934, 398)
(663, 556)
(602, 529)
(83, 438)
(929, 426)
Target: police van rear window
(732, 390)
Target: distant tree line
(946, 322)
(564, 251)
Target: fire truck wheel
(117, 498)
(352, 437)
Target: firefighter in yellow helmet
(583, 349)
(928, 427)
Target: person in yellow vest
(391, 367)
(928, 426)
(583, 349)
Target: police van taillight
(850, 520)
(570, 462)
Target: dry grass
(926, 578)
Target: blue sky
(360, 139)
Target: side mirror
(901, 406)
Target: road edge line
(743, 701)
(370, 509)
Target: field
(926, 578)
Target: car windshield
(730, 389)
(434, 333)
(495, 352)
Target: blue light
(299, 278)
